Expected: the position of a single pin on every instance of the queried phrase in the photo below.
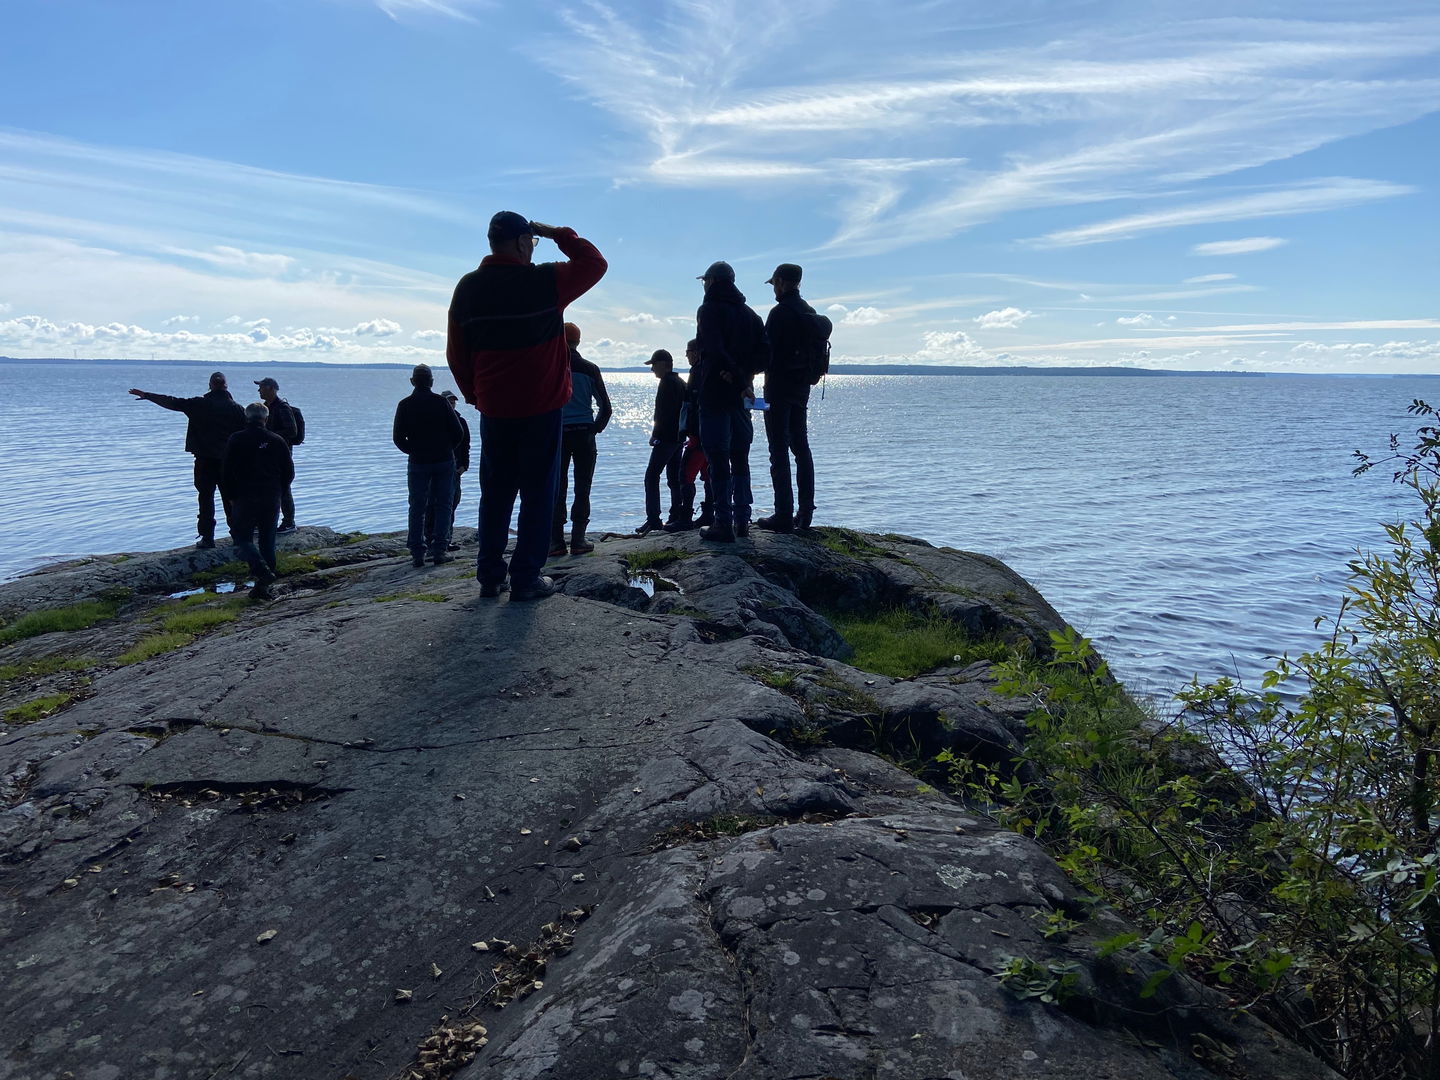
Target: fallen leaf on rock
(266, 936)
(435, 971)
(71, 882)
(480, 946)
(525, 832)
(460, 797)
(404, 995)
(577, 877)
(534, 779)
(95, 870)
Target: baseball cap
(661, 356)
(785, 272)
(719, 271)
(507, 225)
(268, 381)
(449, 395)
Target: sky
(1222, 186)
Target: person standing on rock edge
(282, 421)
(255, 471)
(787, 390)
(579, 423)
(462, 461)
(213, 418)
(427, 430)
(506, 348)
(664, 441)
(693, 465)
(732, 347)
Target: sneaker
(286, 527)
(720, 534)
(205, 542)
(651, 525)
(775, 523)
(440, 557)
(417, 561)
(538, 589)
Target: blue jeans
(726, 435)
(518, 456)
(247, 517)
(432, 489)
(787, 433)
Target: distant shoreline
(835, 369)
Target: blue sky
(1230, 186)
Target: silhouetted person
(506, 348)
(693, 465)
(732, 346)
(427, 430)
(584, 416)
(212, 418)
(787, 390)
(255, 471)
(462, 461)
(664, 441)
(282, 421)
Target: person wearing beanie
(579, 423)
(506, 347)
(664, 441)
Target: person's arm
(288, 468)
(165, 401)
(575, 278)
(602, 400)
(230, 468)
(462, 452)
(398, 431)
(457, 351)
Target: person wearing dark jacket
(732, 347)
(787, 390)
(664, 441)
(212, 418)
(584, 416)
(693, 465)
(462, 461)
(282, 421)
(506, 348)
(427, 430)
(256, 468)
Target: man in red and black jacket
(506, 348)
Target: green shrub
(903, 643)
(50, 620)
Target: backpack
(299, 425)
(816, 351)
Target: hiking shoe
(286, 527)
(707, 517)
(490, 590)
(558, 551)
(584, 547)
(678, 525)
(440, 557)
(417, 561)
(452, 546)
(261, 591)
(651, 525)
(205, 542)
(775, 523)
(720, 534)
(538, 589)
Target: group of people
(541, 406)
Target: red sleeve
(586, 266)
(457, 355)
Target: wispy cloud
(1206, 278)
(1245, 246)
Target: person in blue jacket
(583, 417)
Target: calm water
(1187, 525)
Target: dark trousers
(249, 516)
(787, 433)
(576, 445)
(455, 502)
(287, 506)
(431, 486)
(207, 483)
(726, 434)
(518, 456)
(664, 457)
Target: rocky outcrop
(383, 827)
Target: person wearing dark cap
(664, 441)
(787, 389)
(213, 418)
(256, 469)
(585, 415)
(283, 423)
(733, 347)
(506, 348)
(462, 461)
(426, 431)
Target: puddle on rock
(649, 582)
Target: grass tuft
(153, 645)
(76, 617)
(637, 562)
(902, 643)
(50, 665)
(198, 621)
(37, 709)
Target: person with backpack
(733, 349)
(287, 422)
(799, 343)
(212, 419)
(256, 468)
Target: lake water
(1188, 525)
